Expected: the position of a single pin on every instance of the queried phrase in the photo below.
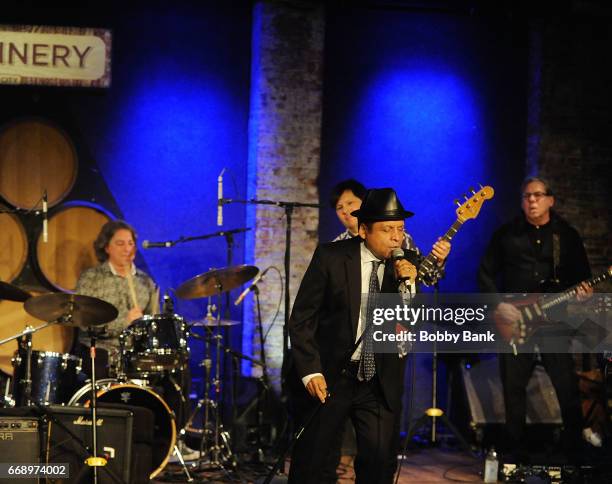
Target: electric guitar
(533, 311)
(465, 211)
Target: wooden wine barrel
(73, 228)
(35, 155)
(13, 246)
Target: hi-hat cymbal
(216, 281)
(212, 321)
(77, 310)
(13, 293)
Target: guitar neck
(430, 260)
(564, 296)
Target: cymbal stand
(220, 437)
(205, 402)
(26, 399)
(217, 437)
(27, 383)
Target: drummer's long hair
(106, 234)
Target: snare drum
(154, 344)
(132, 393)
(54, 376)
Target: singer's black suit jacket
(325, 314)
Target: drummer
(117, 281)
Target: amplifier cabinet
(114, 435)
(20, 442)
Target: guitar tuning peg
(480, 185)
(472, 190)
(465, 196)
(457, 202)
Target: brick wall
(574, 120)
(284, 154)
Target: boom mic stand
(289, 207)
(229, 240)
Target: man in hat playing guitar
(534, 249)
(328, 371)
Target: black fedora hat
(381, 204)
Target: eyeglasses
(536, 195)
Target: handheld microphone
(220, 198)
(258, 278)
(155, 245)
(45, 221)
(410, 255)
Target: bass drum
(132, 393)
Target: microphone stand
(434, 412)
(289, 207)
(229, 240)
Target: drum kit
(152, 348)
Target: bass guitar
(465, 211)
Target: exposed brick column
(284, 156)
(575, 114)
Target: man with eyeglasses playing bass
(536, 252)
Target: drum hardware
(53, 376)
(26, 343)
(84, 312)
(213, 283)
(212, 322)
(7, 398)
(213, 436)
(216, 281)
(153, 345)
(71, 309)
(13, 293)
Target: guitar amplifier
(114, 434)
(20, 442)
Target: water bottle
(491, 466)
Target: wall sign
(58, 56)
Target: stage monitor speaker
(485, 395)
(114, 434)
(20, 442)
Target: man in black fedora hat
(328, 318)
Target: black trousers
(515, 374)
(377, 438)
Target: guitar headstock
(471, 207)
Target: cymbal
(212, 321)
(80, 311)
(216, 281)
(13, 293)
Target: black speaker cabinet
(20, 442)
(260, 417)
(485, 399)
(114, 433)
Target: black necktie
(367, 365)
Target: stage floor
(419, 466)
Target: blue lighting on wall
(419, 129)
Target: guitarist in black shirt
(523, 255)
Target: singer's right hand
(405, 270)
(317, 387)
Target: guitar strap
(556, 255)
